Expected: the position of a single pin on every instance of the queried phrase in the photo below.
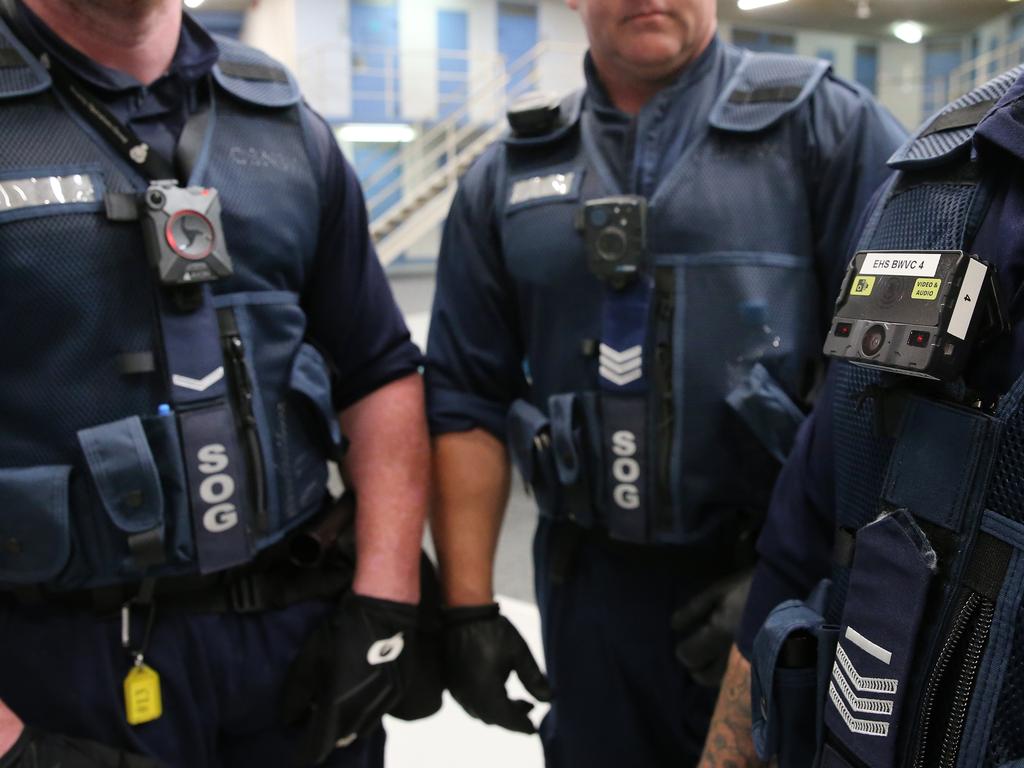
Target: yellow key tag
(142, 702)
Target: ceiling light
(863, 9)
(376, 133)
(193, 3)
(908, 31)
(750, 5)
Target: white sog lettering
(216, 489)
(625, 470)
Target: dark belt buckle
(246, 595)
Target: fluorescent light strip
(750, 5)
(376, 133)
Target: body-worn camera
(615, 231)
(917, 313)
(184, 236)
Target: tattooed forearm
(729, 743)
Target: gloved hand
(422, 696)
(481, 649)
(38, 749)
(352, 670)
(708, 624)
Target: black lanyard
(123, 139)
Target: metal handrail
(441, 130)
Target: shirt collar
(1003, 127)
(194, 57)
(692, 72)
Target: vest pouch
(570, 448)
(892, 571)
(35, 532)
(311, 379)
(767, 411)
(529, 443)
(789, 669)
(126, 479)
(756, 313)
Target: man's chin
(654, 55)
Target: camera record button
(918, 338)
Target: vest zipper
(241, 384)
(664, 417)
(965, 684)
(975, 607)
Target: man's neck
(137, 37)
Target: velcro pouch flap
(565, 438)
(21, 73)
(766, 88)
(786, 619)
(892, 571)
(253, 76)
(310, 378)
(935, 465)
(125, 474)
(526, 423)
(35, 534)
(767, 411)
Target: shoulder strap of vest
(950, 131)
(252, 76)
(765, 88)
(21, 74)
(567, 117)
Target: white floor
(452, 739)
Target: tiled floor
(452, 739)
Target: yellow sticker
(927, 288)
(142, 702)
(863, 285)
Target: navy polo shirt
(796, 543)
(352, 316)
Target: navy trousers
(221, 676)
(621, 697)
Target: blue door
(865, 66)
(452, 64)
(517, 34)
(374, 30)
(941, 57)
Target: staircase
(430, 166)
(976, 72)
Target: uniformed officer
(631, 292)
(908, 495)
(190, 298)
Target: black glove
(481, 649)
(422, 696)
(351, 671)
(708, 625)
(38, 749)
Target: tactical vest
(920, 657)
(135, 437)
(661, 412)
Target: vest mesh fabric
(16, 79)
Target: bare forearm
(388, 465)
(729, 743)
(471, 485)
(10, 728)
